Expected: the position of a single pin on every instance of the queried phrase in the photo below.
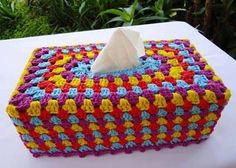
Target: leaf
(115, 19)
(178, 9)
(82, 6)
(144, 9)
(133, 8)
(172, 14)
(117, 12)
(159, 4)
(150, 18)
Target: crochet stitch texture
(60, 107)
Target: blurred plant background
(215, 19)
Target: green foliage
(216, 19)
(7, 9)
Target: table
(219, 151)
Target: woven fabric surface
(60, 107)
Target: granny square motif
(60, 107)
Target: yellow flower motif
(177, 99)
(143, 103)
(216, 78)
(145, 123)
(87, 106)
(128, 124)
(34, 109)
(133, 81)
(146, 78)
(93, 126)
(159, 75)
(52, 106)
(146, 137)
(211, 117)
(110, 125)
(114, 139)
(79, 57)
(194, 118)
(178, 120)
(32, 145)
(191, 133)
(89, 83)
(106, 105)
(70, 106)
(66, 143)
(175, 72)
(130, 138)
(210, 96)
(206, 131)
(124, 105)
(82, 142)
(149, 52)
(173, 62)
(161, 121)
(159, 101)
(90, 55)
(118, 81)
(21, 130)
(176, 134)
(227, 94)
(50, 144)
(58, 70)
(12, 112)
(75, 82)
(40, 130)
(98, 141)
(193, 97)
(161, 136)
(103, 82)
(58, 128)
(76, 128)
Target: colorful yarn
(61, 108)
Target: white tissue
(121, 52)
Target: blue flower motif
(65, 51)
(185, 53)
(190, 61)
(45, 137)
(194, 68)
(36, 80)
(63, 136)
(36, 121)
(41, 71)
(153, 87)
(56, 93)
(213, 107)
(183, 84)
(39, 95)
(72, 92)
(179, 111)
(88, 92)
(105, 92)
(137, 90)
(200, 80)
(161, 113)
(44, 64)
(32, 90)
(121, 91)
(169, 86)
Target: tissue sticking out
(121, 52)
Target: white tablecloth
(219, 151)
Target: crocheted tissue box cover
(60, 107)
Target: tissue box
(60, 107)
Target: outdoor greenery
(216, 19)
